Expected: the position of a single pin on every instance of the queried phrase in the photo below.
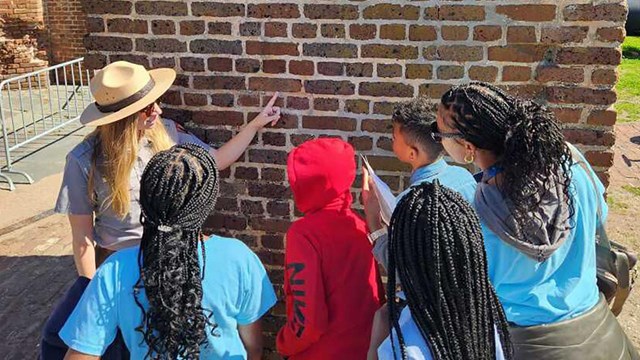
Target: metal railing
(34, 106)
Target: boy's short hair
(415, 118)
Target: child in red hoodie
(331, 277)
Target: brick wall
(66, 27)
(341, 65)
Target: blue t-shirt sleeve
(93, 324)
(257, 291)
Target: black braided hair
(178, 191)
(437, 250)
(524, 135)
(415, 118)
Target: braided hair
(179, 187)
(524, 135)
(436, 249)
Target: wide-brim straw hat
(122, 89)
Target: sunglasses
(437, 136)
(148, 110)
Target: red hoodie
(331, 277)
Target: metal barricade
(34, 106)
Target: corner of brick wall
(341, 65)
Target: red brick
(219, 64)
(389, 51)
(305, 31)
(192, 64)
(483, 73)
(165, 8)
(329, 87)
(273, 11)
(274, 139)
(456, 13)
(324, 104)
(329, 123)
(604, 77)
(332, 30)
(385, 89)
(358, 69)
(219, 82)
(97, 7)
(225, 221)
(589, 56)
(247, 65)
(331, 68)
(249, 207)
(195, 99)
(434, 91)
(566, 95)
(108, 43)
(516, 73)
(599, 158)
(534, 13)
(590, 12)
(376, 126)
(356, 106)
(459, 53)
(211, 46)
(220, 28)
(384, 108)
(519, 53)
(611, 34)
(249, 100)
(393, 32)
(273, 174)
(567, 115)
(521, 34)
(390, 11)
(192, 27)
(269, 156)
(297, 103)
(273, 191)
(454, 33)
(272, 48)
(275, 84)
(246, 173)
(275, 29)
(217, 9)
(274, 66)
(387, 163)
(330, 50)
(232, 118)
(419, 71)
(278, 208)
(361, 143)
(589, 137)
(422, 33)
(561, 74)
(163, 27)
(251, 29)
(362, 31)
(602, 117)
(389, 70)
(128, 26)
(301, 67)
(298, 139)
(325, 11)
(487, 33)
(563, 35)
(448, 72)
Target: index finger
(273, 99)
(365, 179)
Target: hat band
(127, 101)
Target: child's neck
(422, 163)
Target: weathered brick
(127, 26)
(274, 66)
(251, 29)
(219, 64)
(95, 61)
(301, 67)
(247, 65)
(385, 143)
(276, 208)
(297, 103)
(455, 13)
(589, 56)
(433, 91)
(275, 29)
(448, 72)
(604, 77)
(225, 221)
(108, 43)
(329, 87)
(95, 25)
(98, 7)
(422, 33)
(163, 62)
(193, 99)
(161, 45)
(592, 12)
(274, 139)
(359, 69)
(521, 34)
(356, 106)
(273, 174)
(223, 100)
(389, 11)
(516, 73)
(279, 10)
(192, 64)
(577, 95)
(563, 35)
(387, 163)
(246, 173)
(560, 74)
(163, 27)
(192, 27)
(329, 122)
(611, 34)
(331, 68)
(271, 48)
(219, 28)
(298, 139)
(386, 89)
(589, 137)
(330, 50)
(361, 143)
(376, 126)
(389, 51)
(250, 207)
(326, 104)
(332, 30)
(567, 115)
(219, 82)
(275, 84)
(166, 8)
(269, 156)
(249, 100)
(454, 33)
(520, 53)
(215, 47)
(136, 59)
(453, 53)
(602, 117)
(393, 32)
(483, 73)
(487, 33)
(217, 9)
(233, 118)
(419, 71)
(362, 31)
(326, 11)
(599, 158)
(383, 108)
(534, 13)
(304, 31)
(389, 70)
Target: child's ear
(414, 153)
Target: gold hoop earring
(469, 158)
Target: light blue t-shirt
(563, 286)
(453, 177)
(415, 344)
(235, 288)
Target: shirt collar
(428, 171)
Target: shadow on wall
(31, 286)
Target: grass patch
(631, 47)
(635, 190)
(616, 205)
